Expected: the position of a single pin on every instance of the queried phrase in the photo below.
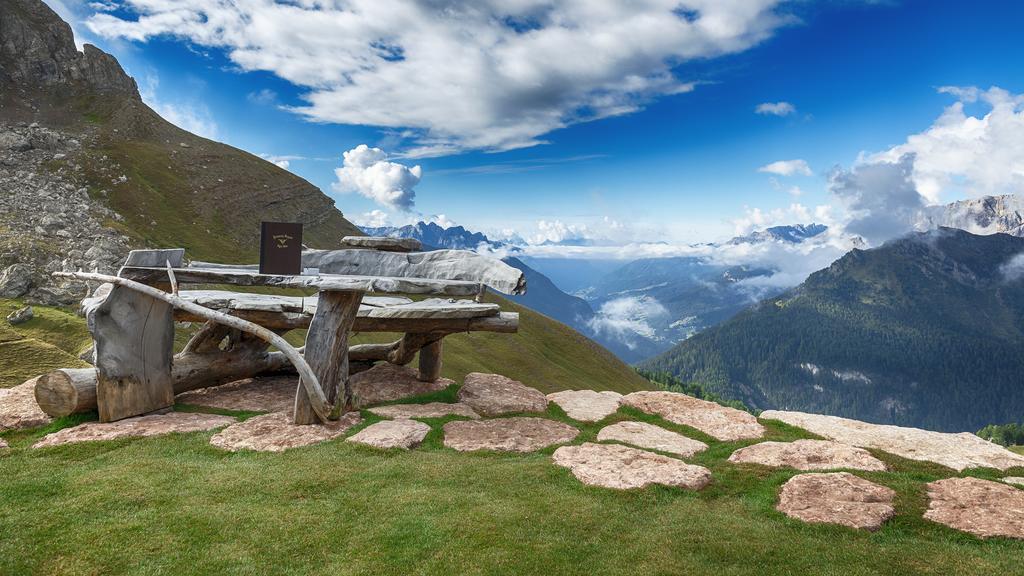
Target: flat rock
(1018, 480)
(520, 434)
(403, 434)
(957, 451)
(140, 426)
(807, 455)
(386, 382)
(429, 410)
(587, 405)
(715, 420)
(18, 408)
(836, 498)
(3, 444)
(651, 437)
(623, 468)
(264, 394)
(980, 507)
(494, 395)
(276, 433)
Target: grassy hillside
(52, 339)
(175, 505)
(924, 331)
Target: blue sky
(676, 158)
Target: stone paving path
(981, 507)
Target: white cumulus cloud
(775, 108)
(787, 168)
(367, 171)
(972, 155)
(194, 117)
(628, 319)
(488, 74)
(373, 219)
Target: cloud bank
(489, 74)
(368, 172)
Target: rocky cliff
(87, 170)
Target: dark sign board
(280, 248)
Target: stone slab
(18, 408)
(623, 468)
(404, 434)
(807, 455)
(520, 434)
(837, 498)
(719, 422)
(386, 382)
(275, 432)
(651, 437)
(137, 427)
(494, 395)
(429, 410)
(587, 405)
(264, 394)
(980, 507)
(957, 451)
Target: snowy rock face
(987, 215)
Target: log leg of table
(134, 337)
(327, 351)
(430, 361)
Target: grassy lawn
(52, 339)
(1017, 449)
(175, 505)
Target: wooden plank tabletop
(327, 282)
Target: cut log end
(67, 391)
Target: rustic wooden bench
(132, 324)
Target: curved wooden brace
(317, 399)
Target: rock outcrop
(404, 434)
(587, 405)
(980, 507)
(276, 433)
(807, 455)
(624, 468)
(140, 426)
(715, 420)
(837, 498)
(651, 437)
(957, 451)
(507, 434)
(494, 395)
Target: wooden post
(430, 361)
(327, 352)
(134, 336)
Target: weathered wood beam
(327, 354)
(328, 282)
(505, 322)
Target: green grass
(175, 505)
(52, 339)
(1017, 449)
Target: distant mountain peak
(432, 235)
(985, 215)
(792, 234)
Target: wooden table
(338, 301)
